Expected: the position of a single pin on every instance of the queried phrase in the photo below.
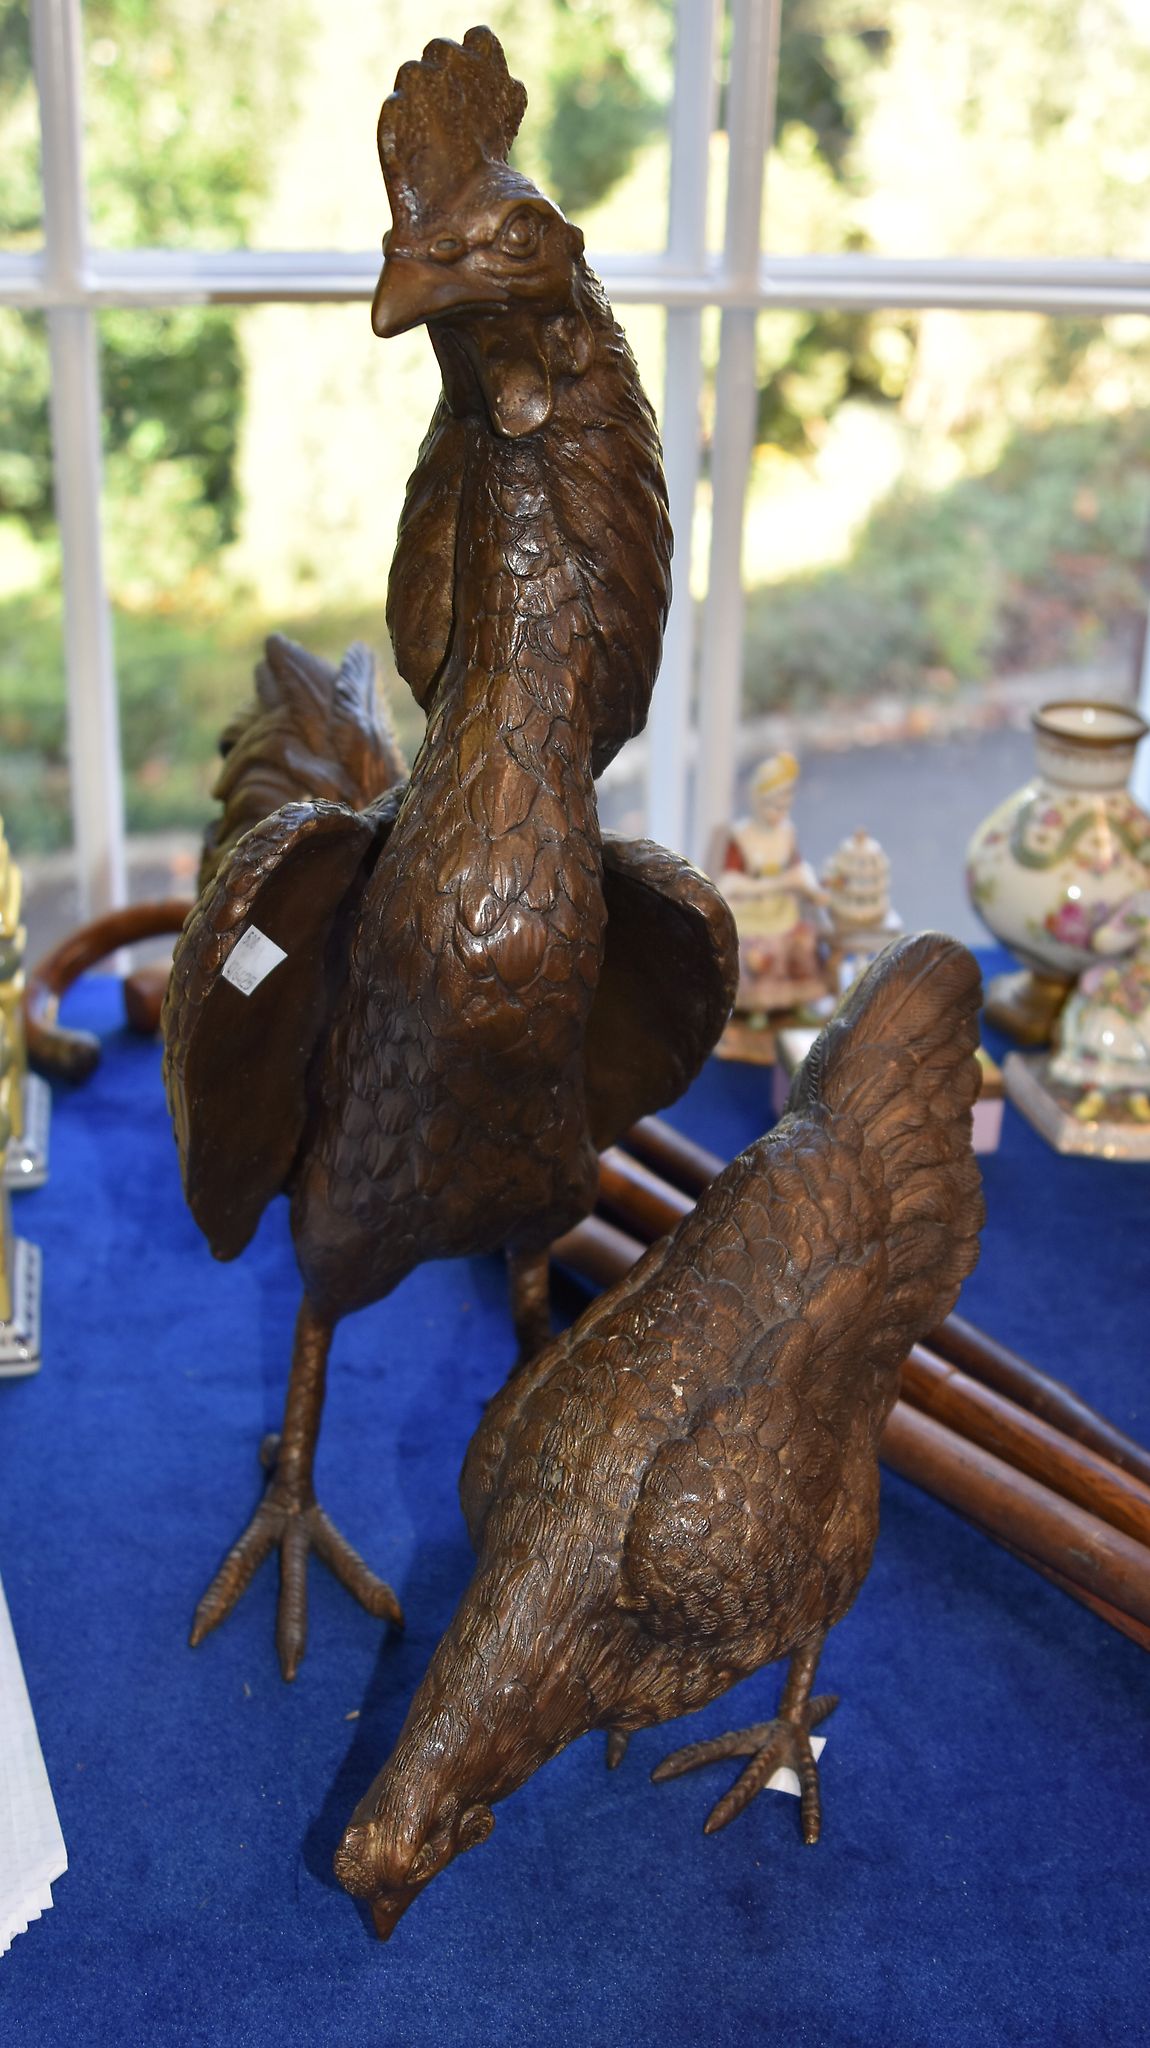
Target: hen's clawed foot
(769, 1744)
(292, 1521)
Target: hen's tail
(899, 1059)
(313, 731)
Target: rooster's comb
(456, 109)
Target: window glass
(35, 790)
(21, 208)
(997, 128)
(255, 468)
(212, 126)
(948, 524)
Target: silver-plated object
(26, 1161)
(20, 1333)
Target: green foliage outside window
(1007, 528)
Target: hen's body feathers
(724, 1403)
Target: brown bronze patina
(684, 1487)
(478, 991)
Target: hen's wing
(235, 1063)
(314, 731)
(668, 979)
(805, 1274)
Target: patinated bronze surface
(685, 1486)
(477, 992)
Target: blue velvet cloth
(984, 1870)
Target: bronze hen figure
(477, 992)
(685, 1486)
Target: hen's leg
(529, 1274)
(290, 1519)
(769, 1744)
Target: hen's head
(506, 1690)
(393, 1847)
(471, 237)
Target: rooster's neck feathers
(589, 482)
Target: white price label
(251, 960)
(786, 1780)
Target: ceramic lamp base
(1026, 1005)
(20, 1335)
(1057, 1114)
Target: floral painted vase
(1056, 860)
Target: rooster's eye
(520, 235)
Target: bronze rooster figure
(685, 1486)
(477, 992)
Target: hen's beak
(388, 1908)
(412, 290)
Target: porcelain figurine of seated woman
(776, 899)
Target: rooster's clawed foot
(769, 1744)
(293, 1522)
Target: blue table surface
(984, 1871)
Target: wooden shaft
(1018, 1510)
(635, 1196)
(1055, 1403)
(597, 1251)
(1027, 1443)
(678, 1159)
(1082, 1554)
(1124, 1623)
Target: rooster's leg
(769, 1744)
(529, 1274)
(290, 1519)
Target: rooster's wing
(666, 986)
(236, 1064)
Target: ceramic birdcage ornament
(856, 879)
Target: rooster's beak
(412, 291)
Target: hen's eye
(520, 235)
(425, 1863)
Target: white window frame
(71, 279)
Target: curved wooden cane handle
(54, 1050)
